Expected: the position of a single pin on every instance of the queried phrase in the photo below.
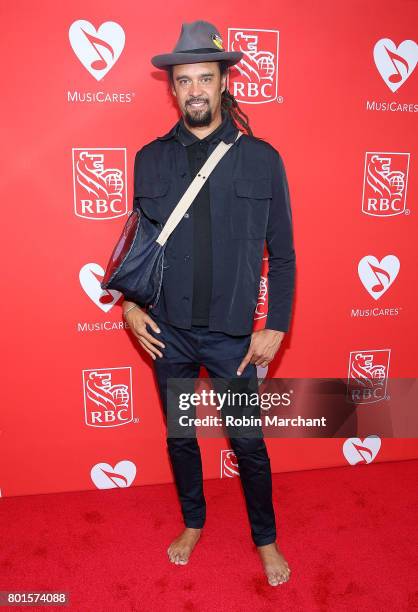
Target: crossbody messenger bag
(136, 265)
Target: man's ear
(223, 83)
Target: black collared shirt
(249, 206)
(197, 152)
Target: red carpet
(349, 534)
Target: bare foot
(181, 548)
(275, 565)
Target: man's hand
(264, 345)
(137, 320)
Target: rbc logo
(108, 396)
(99, 177)
(367, 376)
(258, 69)
(260, 309)
(262, 300)
(229, 464)
(385, 184)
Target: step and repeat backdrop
(333, 87)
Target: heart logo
(377, 276)
(104, 476)
(90, 276)
(357, 451)
(395, 65)
(98, 50)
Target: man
(204, 315)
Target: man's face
(198, 89)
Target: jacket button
(186, 257)
(186, 215)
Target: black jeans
(220, 353)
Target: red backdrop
(331, 85)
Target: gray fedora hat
(199, 41)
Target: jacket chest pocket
(152, 198)
(250, 207)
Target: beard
(198, 118)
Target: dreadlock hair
(228, 102)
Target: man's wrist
(127, 306)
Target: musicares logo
(105, 476)
(395, 64)
(377, 276)
(358, 451)
(90, 277)
(98, 50)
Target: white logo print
(385, 184)
(357, 451)
(99, 177)
(395, 64)
(258, 68)
(229, 464)
(108, 396)
(260, 310)
(121, 476)
(98, 50)
(90, 277)
(377, 276)
(368, 373)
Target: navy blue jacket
(249, 203)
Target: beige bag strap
(193, 189)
